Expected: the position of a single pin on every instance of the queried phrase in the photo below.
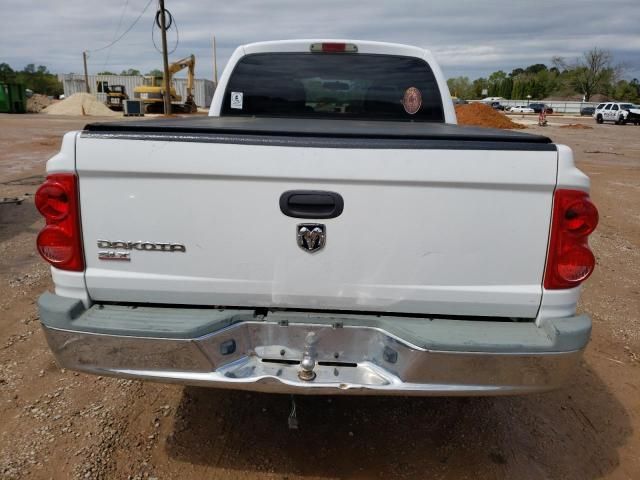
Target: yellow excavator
(152, 89)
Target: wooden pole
(86, 74)
(165, 61)
(215, 62)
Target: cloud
(468, 38)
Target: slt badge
(311, 236)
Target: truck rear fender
(562, 303)
(65, 159)
(67, 283)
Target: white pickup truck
(327, 229)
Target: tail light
(570, 261)
(59, 242)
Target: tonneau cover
(296, 127)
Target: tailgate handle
(311, 204)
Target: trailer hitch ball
(306, 372)
(308, 362)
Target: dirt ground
(60, 424)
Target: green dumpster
(12, 98)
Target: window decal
(412, 100)
(236, 100)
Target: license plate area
(307, 354)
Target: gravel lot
(60, 424)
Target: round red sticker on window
(412, 100)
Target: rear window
(338, 86)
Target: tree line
(132, 72)
(38, 79)
(593, 73)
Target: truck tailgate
(444, 221)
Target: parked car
(538, 107)
(521, 109)
(617, 112)
(497, 106)
(587, 110)
(359, 245)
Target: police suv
(620, 113)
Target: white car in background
(521, 109)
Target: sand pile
(80, 104)
(37, 102)
(481, 115)
(577, 126)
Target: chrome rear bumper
(349, 357)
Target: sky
(470, 38)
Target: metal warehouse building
(74, 83)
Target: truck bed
(432, 224)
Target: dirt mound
(81, 104)
(481, 115)
(577, 126)
(36, 103)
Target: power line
(172, 21)
(126, 31)
(126, 4)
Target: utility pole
(165, 61)
(215, 62)
(86, 75)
